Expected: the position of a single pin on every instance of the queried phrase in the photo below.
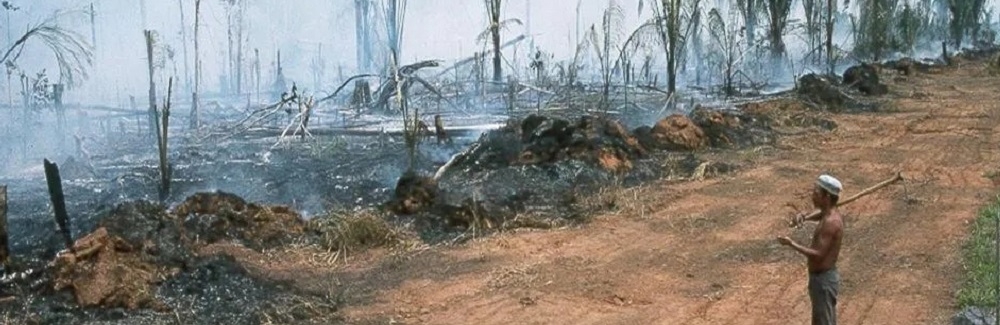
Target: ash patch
(219, 291)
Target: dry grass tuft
(617, 199)
(520, 276)
(346, 231)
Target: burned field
(137, 259)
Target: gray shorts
(823, 289)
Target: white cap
(830, 184)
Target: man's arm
(806, 216)
(822, 248)
(808, 252)
(813, 216)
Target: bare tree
(184, 42)
(363, 34)
(235, 30)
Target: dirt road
(707, 254)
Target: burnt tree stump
(58, 201)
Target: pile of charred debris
(144, 261)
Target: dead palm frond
(72, 52)
(503, 25)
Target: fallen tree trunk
(58, 201)
(276, 132)
(855, 197)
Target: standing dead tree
(184, 42)
(197, 68)
(363, 34)
(777, 18)
(829, 35)
(162, 131)
(670, 34)
(496, 25)
(235, 31)
(152, 82)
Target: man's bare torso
(833, 226)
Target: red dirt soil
(707, 253)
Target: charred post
(58, 201)
(4, 249)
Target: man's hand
(798, 219)
(784, 240)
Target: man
(821, 256)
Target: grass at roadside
(980, 261)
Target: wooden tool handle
(876, 187)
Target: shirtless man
(821, 256)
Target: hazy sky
(435, 29)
